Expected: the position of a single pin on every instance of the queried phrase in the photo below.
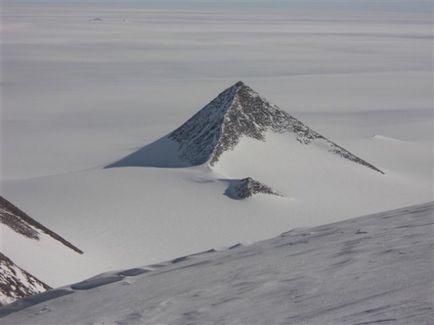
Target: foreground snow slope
(372, 269)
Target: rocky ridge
(237, 112)
(15, 282)
(20, 222)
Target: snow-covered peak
(239, 112)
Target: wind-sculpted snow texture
(375, 269)
(247, 187)
(236, 112)
(15, 283)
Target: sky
(406, 6)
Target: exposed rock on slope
(247, 187)
(15, 283)
(218, 127)
(369, 270)
(236, 112)
(21, 223)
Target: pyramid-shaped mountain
(235, 113)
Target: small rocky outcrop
(247, 187)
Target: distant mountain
(236, 113)
(15, 283)
(375, 269)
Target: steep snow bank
(372, 269)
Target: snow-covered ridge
(21, 236)
(21, 223)
(236, 112)
(15, 283)
(371, 269)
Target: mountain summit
(235, 113)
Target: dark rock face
(11, 216)
(15, 283)
(247, 187)
(236, 112)
(21, 223)
(200, 135)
